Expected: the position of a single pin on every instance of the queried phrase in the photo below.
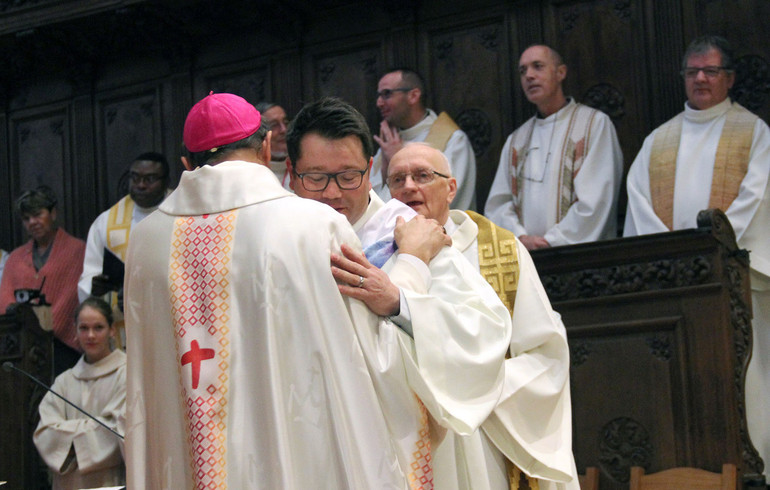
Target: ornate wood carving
(625, 443)
(607, 99)
(478, 127)
(673, 306)
(752, 82)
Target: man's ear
(292, 175)
(414, 96)
(452, 190)
(561, 72)
(265, 153)
(187, 163)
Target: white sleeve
(94, 257)
(593, 216)
(499, 206)
(752, 190)
(461, 332)
(56, 434)
(532, 421)
(462, 160)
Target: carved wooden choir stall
(659, 328)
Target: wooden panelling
(348, 70)
(40, 154)
(7, 190)
(128, 123)
(128, 91)
(250, 81)
(466, 69)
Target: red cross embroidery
(195, 355)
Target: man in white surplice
(452, 321)
(401, 95)
(246, 367)
(532, 423)
(559, 173)
(715, 154)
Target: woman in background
(79, 452)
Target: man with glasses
(274, 117)
(401, 97)
(715, 154)
(147, 186)
(453, 330)
(530, 425)
(559, 174)
(247, 368)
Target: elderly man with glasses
(530, 430)
(401, 97)
(714, 154)
(446, 356)
(108, 235)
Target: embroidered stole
(200, 285)
(730, 164)
(119, 226)
(440, 131)
(118, 229)
(498, 259)
(572, 154)
(499, 265)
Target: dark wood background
(87, 85)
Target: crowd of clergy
(429, 355)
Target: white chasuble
(246, 367)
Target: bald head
(420, 177)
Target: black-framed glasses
(420, 177)
(148, 179)
(388, 92)
(347, 180)
(709, 71)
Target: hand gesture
(421, 237)
(358, 278)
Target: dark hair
(412, 79)
(219, 153)
(264, 106)
(331, 118)
(703, 44)
(153, 156)
(33, 200)
(99, 305)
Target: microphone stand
(8, 366)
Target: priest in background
(714, 154)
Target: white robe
(461, 333)
(99, 389)
(458, 150)
(593, 216)
(300, 407)
(95, 245)
(749, 215)
(319, 389)
(532, 422)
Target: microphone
(8, 366)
